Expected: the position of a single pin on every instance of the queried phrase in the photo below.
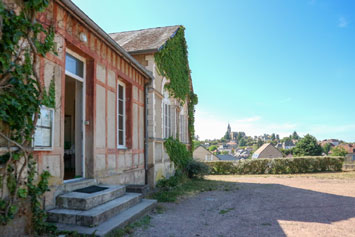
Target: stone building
(267, 151)
(203, 155)
(166, 117)
(112, 115)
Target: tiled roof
(226, 157)
(261, 149)
(149, 40)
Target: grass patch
(144, 223)
(188, 187)
(224, 211)
(159, 209)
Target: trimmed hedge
(277, 165)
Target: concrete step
(116, 222)
(76, 184)
(138, 188)
(96, 215)
(85, 201)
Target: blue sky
(263, 66)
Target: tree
(259, 143)
(227, 136)
(273, 137)
(339, 151)
(307, 146)
(295, 135)
(242, 142)
(277, 137)
(212, 148)
(196, 143)
(239, 136)
(286, 139)
(326, 148)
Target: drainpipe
(146, 131)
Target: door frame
(83, 80)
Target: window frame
(166, 120)
(45, 148)
(124, 115)
(79, 58)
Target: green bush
(196, 169)
(173, 181)
(178, 153)
(277, 165)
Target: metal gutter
(143, 51)
(146, 132)
(75, 9)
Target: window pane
(43, 133)
(45, 118)
(120, 92)
(120, 107)
(74, 65)
(43, 137)
(120, 122)
(120, 137)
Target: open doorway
(74, 119)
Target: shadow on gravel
(252, 209)
(270, 203)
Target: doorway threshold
(72, 184)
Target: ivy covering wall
(172, 63)
(22, 92)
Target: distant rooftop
(226, 157)
(146, 40)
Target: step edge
(147, 205)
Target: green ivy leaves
(172, 63)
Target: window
(43, 137)
(74, 66)
(166, 121)
(121, 116)
(182, 128)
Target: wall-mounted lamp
(83, 37)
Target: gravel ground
(262, 206)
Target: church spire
(229, 130)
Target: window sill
(122, 148)
(43, 149)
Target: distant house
(202, 154)
(350, 149)
(332, 142)
(226, 157)
(288, 145)
(279, 146)
(267, 151)
(232, 144)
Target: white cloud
(342, 22)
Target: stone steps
(96, 215)
(76, 184)
(105, 209)
(116, 222)
(86, 201)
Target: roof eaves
(144, 51)
(80, 14)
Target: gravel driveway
(262, 206)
